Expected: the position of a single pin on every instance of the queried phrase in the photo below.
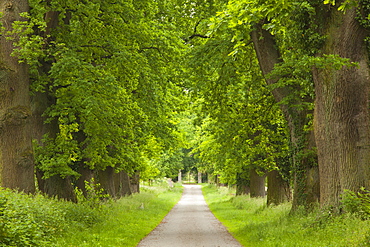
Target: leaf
(332, 2)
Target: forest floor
(190, 223)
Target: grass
(35, 220)
(125, 222)
(254, 224)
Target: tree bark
(123, 186)
(342, 110)
(56, 186)
(278, 189)
(86, 175)
(242, 183)
(199, 177)
(257, 184)
(135, 182)
(16, 155)
(106, 180)
(268, 55)
(179, 177)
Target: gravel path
(190, 224)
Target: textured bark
(113, 183)
(86, 175)
(40, 103)
(242, 183)
(268, 55)
(257, 184)
(278, 189)
(306, 179)
(313, 186)
(106, 180)
(342, 110)
(135, 182)
(16, 157)
(56, 186)
(123, 186)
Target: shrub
(35, 220)
(27, 220)
(357, 203)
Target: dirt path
(190, 224)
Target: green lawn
(253, 224)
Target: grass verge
(34, 220)
(254, 224)
(126, 221)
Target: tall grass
(254, 224)
(125, 221)
(34, 220)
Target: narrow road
(190, 224)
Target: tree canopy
(223, 87)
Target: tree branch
(148, 48)
(199, 35)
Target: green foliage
(31, 45)
(29, 220)
(363, 13)
(276, 226)
(112, 71)
(95, 197)
(127, 221)
(296, 72)
(243, 127)
(34, 220)
(363, 16)
(357, 203)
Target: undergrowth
(35, 220)
(254, 224)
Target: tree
(107, 77)
(311, 33)
(342, 102)
(246, 125)
(16, 158)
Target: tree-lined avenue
(190, 223)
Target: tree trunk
(217, 180)
(257, 183)
(206, 177)
(16, 156)
(106, 180)
(86, 175)
(268, 55)
(242, 183)
(135, 182)
(278, 189)
(179, 177)
(199, 177)
(306, 179)
(342, 110)
(40, 101)
(56, 186)
(313, 187)
(122, 184)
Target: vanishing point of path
(190, 224)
